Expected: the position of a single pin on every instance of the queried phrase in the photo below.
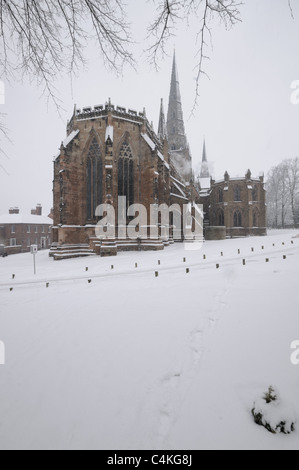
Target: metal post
(34, 263)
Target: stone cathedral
(111, 151)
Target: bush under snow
(273, 414)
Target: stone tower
(177, 140)
(204, 172)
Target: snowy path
(133, 361)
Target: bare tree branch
(44, 39)
(162, 29)
(3, 134)
(291, 9)
(170, 12)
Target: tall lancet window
(126, 174)
(94, 179)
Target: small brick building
(233, 207)
(239, 204)
(18, 232)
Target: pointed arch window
(126, 173)
(237, 194)
(220, 195)
(221, 218)
(94, 179)
(237, 219)
(255, 193)
(255, 218)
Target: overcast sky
(244, 111)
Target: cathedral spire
(204, 172)
(177, 139)
(175, 119)
(162, 131)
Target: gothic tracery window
(220, 195)
(237, 194)
(221, 218)
(126, 174)
(255, 219)
(237, 219)
(94, 179)
(254, 193)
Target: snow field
(131, 361)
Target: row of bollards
(184, 261)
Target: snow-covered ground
(130, 361)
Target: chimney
(14, 210)
(39, 209)
(11, 211)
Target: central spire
(177, 139)
(175, 118)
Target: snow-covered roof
(177, 181)
(69, 139)
(205, 183)
(149, 141)
(152, 145)
(180, 197)
(109, 133)
(179, 189)
(16, 219)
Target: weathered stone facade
(112, 152)
(109, 152)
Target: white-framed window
(43, 229)
(36, 229)
(28, 243)
(28, 228)
(13, 229)
(13, 242)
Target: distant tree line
(283, 195)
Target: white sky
(244, 111)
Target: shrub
(272, 414)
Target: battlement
(100, 110)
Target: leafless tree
(44, 39)
(292, 178)
(283, 194)
(4, 134)
(273, 201)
